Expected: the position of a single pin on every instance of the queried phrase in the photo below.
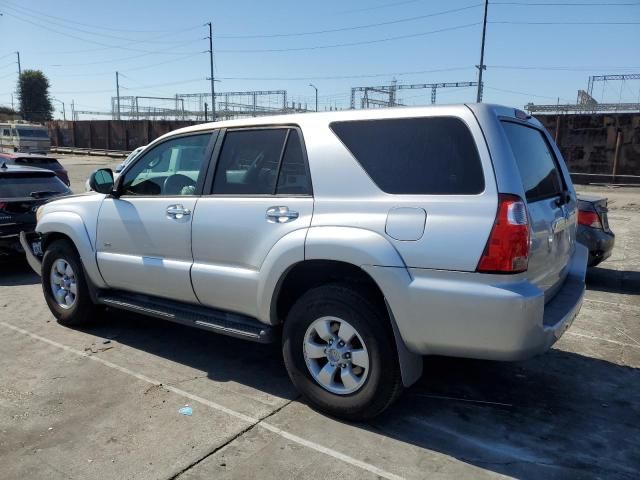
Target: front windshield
(40, 133)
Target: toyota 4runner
(362, 240)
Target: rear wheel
(340, 352)
(64, 285)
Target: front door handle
(281, 215)
(177, 211)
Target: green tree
(33, 92)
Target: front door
(261, 194)
(144, 235)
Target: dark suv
(40, 161)
(22, 191)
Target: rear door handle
(177, 211)
(281, 215)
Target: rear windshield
(435, 155)
(33, 133)
(36, 186)
(536, 162)
(36, 161)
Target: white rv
(24, 137)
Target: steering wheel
(174, 184)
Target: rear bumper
(599, 243)
(480, 316)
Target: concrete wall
(109, 134)
(588, 142)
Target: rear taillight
(2, 206)
(507, 250)
(589, 219)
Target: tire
(81, 310)
(380, 384)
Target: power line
(345, 77)
(509, 22)
(525, 94)
(351, 44)
(106, 35)
(562, 4)
(76, 37)
(143, 67)
(132, 57)
(101, 27)
(144, 87)
(354, 27)
(378, 7)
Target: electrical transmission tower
(389, 92)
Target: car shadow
(560, 415)
(616, 281)
(15, 272)
(222, 358)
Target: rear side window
(536, 162)
(36, 186)
(422, 156)
(262, 162)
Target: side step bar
(219, 321)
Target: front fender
(357, 246)
(71, 225)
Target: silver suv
(362, 240)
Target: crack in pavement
(231, 440)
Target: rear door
(552, 219)
(261, 193)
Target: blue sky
(158, 47)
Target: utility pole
(316, 89)
(205, 111)
(19, 67)
(118, 94)
(482, 66)
(73, 113)
(212, 78)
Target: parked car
(361, 239)
(40, 161)
(24, 137)
(22, 191)
(593, 228)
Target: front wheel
(64, 285)
(340, 353)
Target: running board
(213, 320)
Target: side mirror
(101, 180)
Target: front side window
(415, 156)
(536, 162)
(169, 169)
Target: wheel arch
(69, 226)
(308, 274)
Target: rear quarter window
(536, 162)
(429, 155)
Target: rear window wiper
(41, 193)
